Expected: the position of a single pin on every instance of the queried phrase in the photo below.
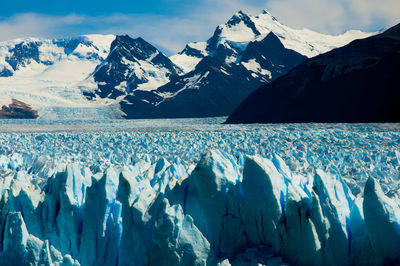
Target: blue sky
(170, 24)
(99, 7)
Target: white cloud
(337, 16)
(31, 24)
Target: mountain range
(107, 76)
(356, 83)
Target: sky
(170, 24)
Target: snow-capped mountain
(133, 64)
(215, 88)
(50, 75)
(243, 54)
(112, 76)
(230, 39)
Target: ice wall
(228, 210)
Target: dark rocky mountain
(214, 88)
(131, 63)
(359, 82)
(18, 110)
(270, 55)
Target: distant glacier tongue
(200, 193)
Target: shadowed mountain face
(359, 82)
(214, 89)
(17, 110)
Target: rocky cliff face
(18, 110)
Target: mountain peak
(137, 47)
(237, 17)
(272, 38)
(241, 17)
(267, 13)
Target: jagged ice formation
(240, 205)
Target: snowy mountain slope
(190, 56)
(50, 75)
(230, 39)
(305, 41)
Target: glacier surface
(196, 192)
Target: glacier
(198, 192)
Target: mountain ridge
(355, 83)
(313, 44)
(231, 46)
(215, 88)
(88, 77)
